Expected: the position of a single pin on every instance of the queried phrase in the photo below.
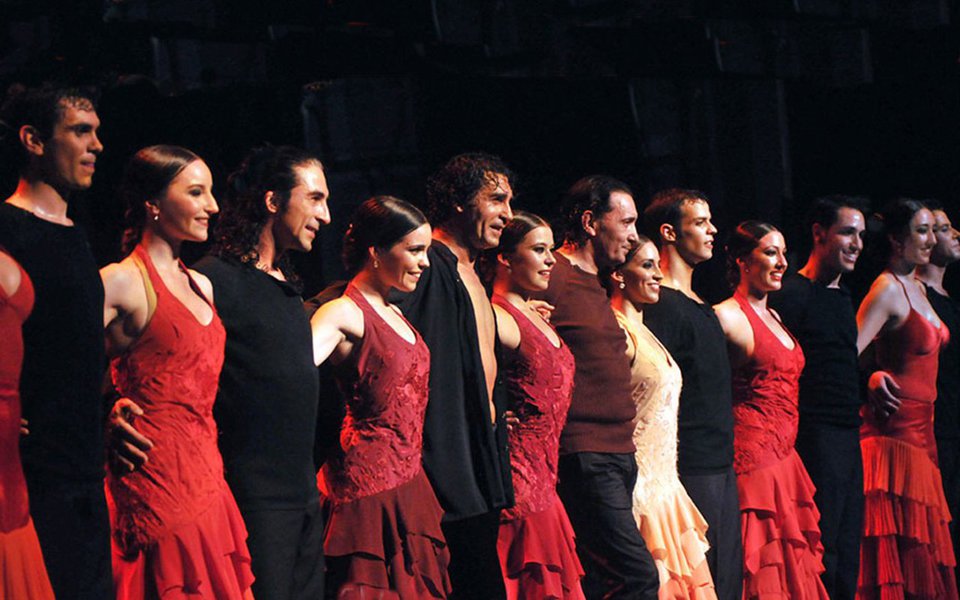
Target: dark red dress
(22, 574)
(383, 532)
(177, 531)
(536, 541)
(906, 550)
(779, 522)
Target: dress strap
(141, 261)
(905, 293)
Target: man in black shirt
(52, 134)
(266, 408)
(946, 422)
(679, 222)
(464, 439)
(818, 310)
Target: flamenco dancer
(597, 467)
(176, 528)
(782, 553)
(671, 525)
(946, 420)
(906, 550)
(383, 536)
(536, 543)
(52, 138)
(22, 572)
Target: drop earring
(622, 286)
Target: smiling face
(916, 245)
(642, 276)
(402, 264)
(841, 244)
(488, 212)
(615, 231)
(183, 212)
(531, 262)
(307, 210)
(762, 270)
(947, 250)
(69, 155)
(695, 238)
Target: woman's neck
(164, 252)
(371, 287)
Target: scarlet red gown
(177, 532)
(536, 541)
(383, 534)
(779, 522)
(906, 550)
(22, 574)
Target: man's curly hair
(265, 169)
(458, 181)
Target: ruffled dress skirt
(779, 525)
(675, 534)
(23, 575)
(538, 556)
(205, 559)
(389, 545)
(906, 550)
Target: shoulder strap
(904, 288)
(147, 285)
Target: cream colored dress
(672, 527)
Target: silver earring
(623, 286)
(376, 264)
(156, 217)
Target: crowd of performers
(523, 412)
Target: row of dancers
(523, 411)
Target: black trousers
(474, 566)
(287, 551)
(73, 527)
(948, 455)
(715, 495)
(831, 455)
(597, 491)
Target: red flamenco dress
(177, 532)
(383, 537)
(22, 573)
(536, 541)
(906, 550)
(779, 522)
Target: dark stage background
(761, 104)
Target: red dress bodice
(14, 310)
(171, 371)
(765, 395)
(911, 354)
(539, 379)
(385, 382)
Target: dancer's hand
(883, 393)
(543, 308)
(128, 448)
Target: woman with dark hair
(536, 540)
(22, 572)
(176, 527)
(906, 549)
(383, 537)
(671, 525)
(779, 521)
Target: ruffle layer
(205, 559)
(906, 551)
(675, 534)
(23, 575)
(538, 556)
(779, 523)
(394, 543)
